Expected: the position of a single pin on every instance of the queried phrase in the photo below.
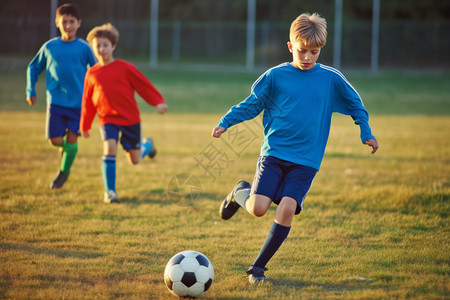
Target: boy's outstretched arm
(217, 131)
(372, 143)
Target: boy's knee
(287, 211)
(134, 157)
(287, 207)
(258, 205)
(71, 137)
(56, 141)
(258, 211)
(134, 161)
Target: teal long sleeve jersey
(298, 106)
(66, 65)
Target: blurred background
(412, 34)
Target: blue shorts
(130, 135)
(60, 119)
(277, 178)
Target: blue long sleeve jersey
(298, 106)
(66, 65)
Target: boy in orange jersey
(109, 89)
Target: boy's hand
(217, 132)
(31, 100)
(372, 143)
(85, 134)
(161, 108)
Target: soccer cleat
(256, 275)
(111, 197)
(59, 180)
(229, 207)
(152, 152)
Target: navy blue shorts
(130, 135)
(60, 119)
(277, 178)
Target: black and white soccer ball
(188, 274)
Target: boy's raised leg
(148, 148)
(235, 199)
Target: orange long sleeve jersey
(109, 92)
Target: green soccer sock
(68, 157)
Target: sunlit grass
(374, 226)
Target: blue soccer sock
(109, 172)
(276, 236)
(146, 147)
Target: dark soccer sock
(276, 236)
(109, 172)
(68, 157)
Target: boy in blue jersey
(65, 60)
(298, 100)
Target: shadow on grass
(300, 285)
(164, 198)
(55, 252)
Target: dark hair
(68, 9)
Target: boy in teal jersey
(65, 60)
(298, 100)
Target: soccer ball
(188, 274)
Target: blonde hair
(309, 29)
(105, 31)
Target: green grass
(374, 226)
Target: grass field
(374, 227)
